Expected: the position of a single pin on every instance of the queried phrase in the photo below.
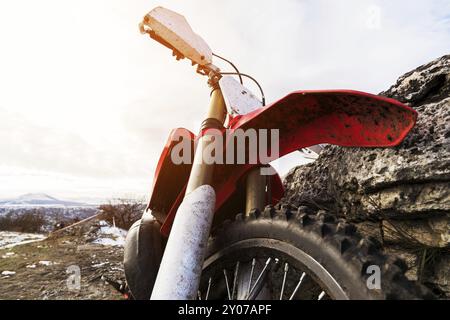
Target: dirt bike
(217, 231)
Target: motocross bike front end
(213, 230)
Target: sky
(87, 102)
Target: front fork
(181, 266)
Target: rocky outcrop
(399, 195)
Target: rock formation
(400, 195)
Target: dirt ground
(39, 270)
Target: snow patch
(98, 265)
(7, 255)
(108, 235)
(45, 263)
(10, 239)
(8, 273)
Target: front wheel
(281, 254)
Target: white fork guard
(181, 267)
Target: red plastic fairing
(305, 118)
(342, 117)
(170, 178)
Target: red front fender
(341, 117)
(306, 118)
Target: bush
(32, 220)
(124, 212)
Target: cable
(250, 77)
(232, 64)
(240, 75)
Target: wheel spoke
(286, 268)
(207, 290)
(226, 282)
(236, 270)
(321, 295)
(251, 277)
(260, 276)
(298, 286)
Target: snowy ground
(106, 235)
(10, 239)
(42, 269)
(109, 235)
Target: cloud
(84, 95)
(35, 147)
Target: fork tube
(181, 266)
(201, 172)
(255, 185)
